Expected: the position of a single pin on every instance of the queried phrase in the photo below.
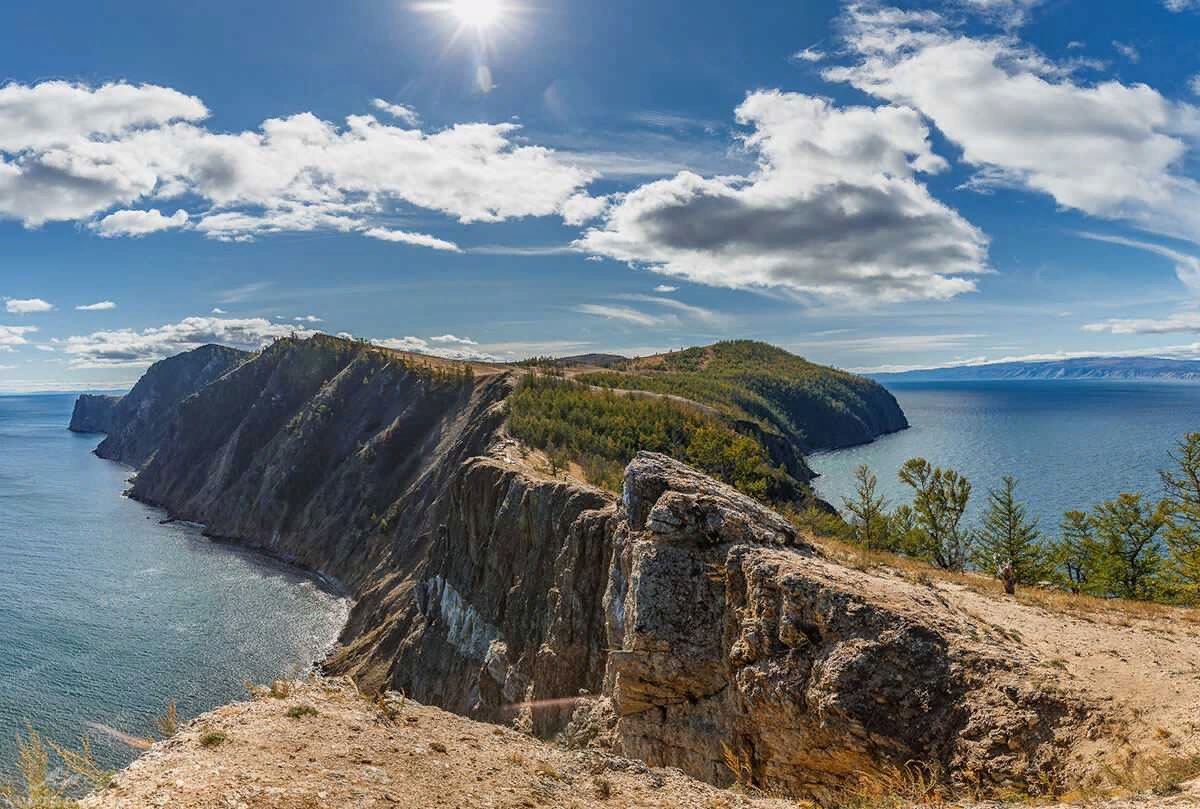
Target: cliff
(136, 422)
(683, 622)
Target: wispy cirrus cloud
(625, 314)
(98, 306)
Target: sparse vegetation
(38, 788)
(168, 724)
(211, 737)
(301, 711)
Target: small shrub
(281, 689)
(437, 747)
(602, 786)
(168, 724)
(212, 737)
(301, 711)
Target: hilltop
(1114, 368)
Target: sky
(874, 186)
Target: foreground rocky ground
(356, 753)
(323, 746)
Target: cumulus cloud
(14, 336)
(1023, 121)
(418, 345)
(217, 310)
(24, 306)
(71, 152)
(665, 288)
(138, 223)
(96, 307)
(133, 347)
(418, 239)
(450, 338)
(834, 210)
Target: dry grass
(37, 789)
(168, 724)
(1116, 610)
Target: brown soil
(354, 753)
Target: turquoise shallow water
(106, 614)
(1070, 443)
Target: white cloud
(24, 306)
(450, 338)
(400, 112)
(581, 209)
(308, 319)
(1178, 323)
(834, 210)
(1127, 50)
(1008, 13)
(14, 336)
(244, 292)
(665, 288)
(418, 239)
(809, 54)
(132, 347)
(1194, 85)
(1181, 5)
(1187, 267)
(418, 345)
(217, 310)
(59, 113)
(626, 314)
(138, 223)
(708, 316)
(70, 152)
(44, 348)
(1107, 149)
(96, 307)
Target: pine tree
(1182, 509)
(870, 524)
(939, 501)
(1130, 559)
(1008, 540)
(1076, 552)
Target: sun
(477, 13)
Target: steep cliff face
(93, 413)
(485, 586)
(136, 422)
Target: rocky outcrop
(739, 653)
(728, 647)
(136, 422)
(93, 413)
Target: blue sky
(873, 186)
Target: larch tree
(869, 524)
(1008, 544)
(1130, 559)
(1182, 509)
(1076, 552)
(939, 501)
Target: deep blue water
(1071, 444)
(105, 614)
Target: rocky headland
(679, 622)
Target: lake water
(1071, 444)
(106, 614)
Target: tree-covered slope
(767, 392)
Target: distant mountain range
(1128, 368)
